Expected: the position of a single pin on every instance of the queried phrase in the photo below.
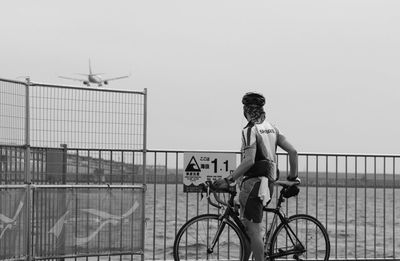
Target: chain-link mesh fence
(12, 112)
(51, 136)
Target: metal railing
(70, 221)
(354, 195)
(80, 203)
(37, 123)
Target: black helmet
(252, 98)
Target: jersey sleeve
(277, 130)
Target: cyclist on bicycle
(259, 143)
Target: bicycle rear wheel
(194, 240)
(311, 240)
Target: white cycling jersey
(263, 137)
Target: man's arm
(288, 147)
(245, 165)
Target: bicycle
(210, 236)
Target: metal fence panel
(79, 220)
(71, 166)
(37, 124)
(86, 117)
(44, 115)
(13, 228)
(81, 166)
(12, 168)
(12, 113)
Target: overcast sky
(329, 69)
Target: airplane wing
(74, 79)
(116, 78)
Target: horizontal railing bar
(140, 186)
(194, 151)
(20, 186)
(12, 146)
(85, 88)
(89, 255)
(360, 259)
(282, 153)
(20, 258)
(71, 87)
(85, 149)
(343, 154)
(12, 81)
(212, 151)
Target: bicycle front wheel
(304, 237)
(198, 240)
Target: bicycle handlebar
(209, 188)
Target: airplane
(94, 78)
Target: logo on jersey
(267, 131)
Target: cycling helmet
(252, 98)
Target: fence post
(27, 165)
(144, 168)
(64, 163)
(144, 135)
(62, 200)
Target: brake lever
(207, 192)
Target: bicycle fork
(221, 227)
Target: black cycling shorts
(250, 204)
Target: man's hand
(296, 179)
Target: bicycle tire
(195, 236)
(310, 232)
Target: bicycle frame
(280, 237)
(226, 217)
(231, 214)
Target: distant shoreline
(310, 179)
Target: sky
(329, 69)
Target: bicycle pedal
(299, 247)
(266, 257)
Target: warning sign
(192, 166)
(201, 167)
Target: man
(259, 142)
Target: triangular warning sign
(192, 166)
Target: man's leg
(254, 231)
(251, 208)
